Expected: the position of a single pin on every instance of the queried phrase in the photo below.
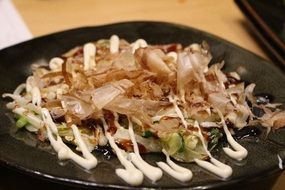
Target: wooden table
(221, 18)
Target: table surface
(221, 18)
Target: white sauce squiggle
(19, 89)
(280, 163)
(116, 123)
(89, 53)
(153, 173)
(159, 117)
(130, 174)
(36, 96)
(34, 90)
(174, 170)
(114, 44)
(214, 165)
(178, 111)
(82, 145)
(239, 151)
(173, 55)
(63, 151)
(55, 63)
(30, 82)
(20, 102)
(140, 43)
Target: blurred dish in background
(268, 18)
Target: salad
(139, 98)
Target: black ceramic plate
(20, 150)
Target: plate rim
(179, 25)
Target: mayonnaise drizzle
(178, 111)
(239, 151)
(114, 44)
(153, 173)
(20, 89)
(173, 55)
(280, 163)
(30, 82)
(32, 88)
(138, 44)
(89, 53)
(55, 63)
(81, 144)
(174, 170)
(116, 123)
(36, 96)
(214, 165)
(130, 174)
(158, 117)
(63, 151)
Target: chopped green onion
(17, 116)
(63, 130)
(147, 134)
(21, 122)
(182, 147)
(215, 136)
